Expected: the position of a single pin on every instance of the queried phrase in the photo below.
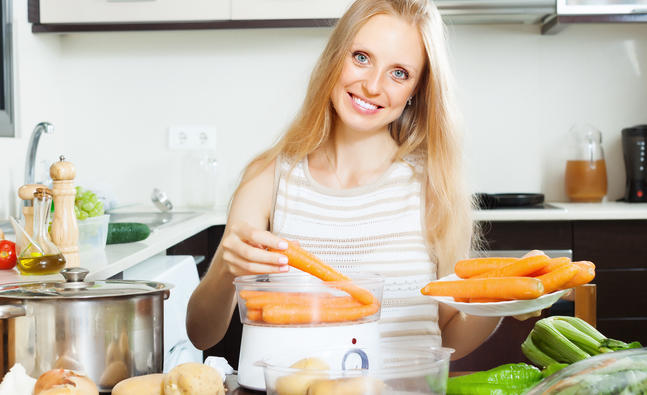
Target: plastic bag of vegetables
(621, 372)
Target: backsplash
(113, 96)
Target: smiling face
(380, 73)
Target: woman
(368, 177)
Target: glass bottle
(42, 256)
(586, 171)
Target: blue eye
(400, 74)
(360, 57)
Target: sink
(153, 220)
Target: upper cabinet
(129, 11)
(288, 9)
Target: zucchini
(127, 232)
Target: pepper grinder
(65, 231)
(26, 193)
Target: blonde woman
(368, 177)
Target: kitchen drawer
(611, 244)
(525, 235)
(288, 9)
(125, 11)
(621, 293)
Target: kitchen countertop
(557, 211)
(116, 258)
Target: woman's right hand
(245, 250)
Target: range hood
(551, 14)
(496, 11)
(595, 11)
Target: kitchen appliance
(502, 200)
(261, 340)
(633, 148)
(109, 330)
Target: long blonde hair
(426, 129)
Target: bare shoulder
(253, 199)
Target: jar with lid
(40, 255)
(586, 172)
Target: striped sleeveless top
(375, 228)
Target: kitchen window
(6, 75)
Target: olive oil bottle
(40, 255)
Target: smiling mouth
(364, 104)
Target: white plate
(499, 309)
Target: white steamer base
(261, 342)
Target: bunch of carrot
(497, 279)
(292, 308)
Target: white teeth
(363, 104)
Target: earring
(409, 101)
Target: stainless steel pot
(110, 330)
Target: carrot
(492, 287)
(467, 268)
(254, 314)
(295, 314)
(585, 274)
(303, 260)
(558, 278)
(461, 300)
(552, 264)
(521, 267)
(310, 300)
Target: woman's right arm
(241, 251)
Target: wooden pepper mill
(65, 230)
(26, 192)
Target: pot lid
(75, 287)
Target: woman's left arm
(462, 332)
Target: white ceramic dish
(499, 309)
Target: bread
(150, 384)
(64, 382)
(193, 378)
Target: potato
(347, 386)
(64, 382)
(193, 378)
(298, 383)
(150, 384)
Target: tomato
(7, 254)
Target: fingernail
(283, 260)
(284, 268)
(283, 245)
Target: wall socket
(191, 137)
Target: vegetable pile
(499, 279)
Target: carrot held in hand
(585, 274)
(556, 279)
(522, 267)
(303, 260)
(492, 287)
(467, 268)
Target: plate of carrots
(502, 286)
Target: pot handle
(12, 311)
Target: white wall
(112, 97)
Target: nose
(373, 82)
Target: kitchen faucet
(30, 161)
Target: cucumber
(127, 232)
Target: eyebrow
(356, 47)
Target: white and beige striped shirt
(375, 228)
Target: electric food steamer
(299, 313)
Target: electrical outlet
(192, 137)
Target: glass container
(586, 172)
(40, 255)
